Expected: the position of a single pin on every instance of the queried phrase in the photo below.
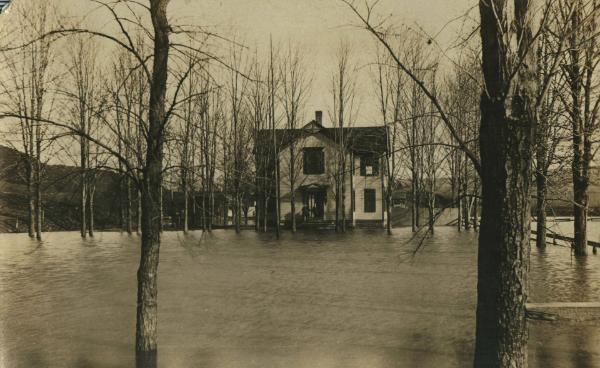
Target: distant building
(317, 157)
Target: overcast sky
(318, 26)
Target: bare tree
(583, 104)
(508, 121)
(344, 110)
(273, 85)
(84, 96)
(258, 101)
(294, 92)
(509, 106)
(28, 86)
(389, 86)
(237, 94)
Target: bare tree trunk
(121, 209)
(293, 185)
(185, 207)
(277, 200)
(31, 194)
(139, 211)
(414, 198)
(475, 214)
(466, 198)
(459, 208)
(580, 211)
(540, 180)
(265, 219)
(431, 205)
(129, 211)
(91, 209)
(161, 204)
(38, 185)
(506, 141)
(352, 191)
(343, 194)
(204, 220)
(211, 214)
(84, 187)
(146, 335)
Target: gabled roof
(359, 139)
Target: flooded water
(310, 300)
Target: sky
(318, 27)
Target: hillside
(60, 196)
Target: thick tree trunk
(146, 333)
(506, 140)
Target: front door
(314, 203)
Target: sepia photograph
(299, 183)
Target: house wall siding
(327, 179)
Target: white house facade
(310, 161)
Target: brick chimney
(319, 117)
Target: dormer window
(314, 161)
(369, 165)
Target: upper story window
(314, 161)
(369, 165)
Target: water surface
(310, 300)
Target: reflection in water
(248, 300)
(146, 360)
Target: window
(370, 201)
(369, 165)
(314, 161)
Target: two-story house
(310, 161)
